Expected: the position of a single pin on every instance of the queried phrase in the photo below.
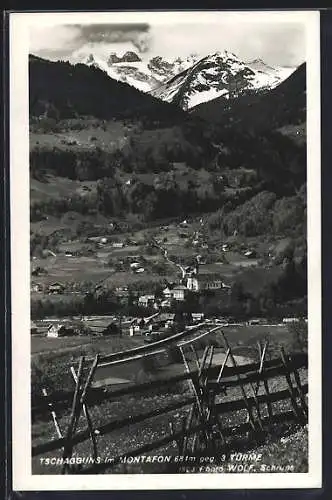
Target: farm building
(179, 292)
(36, 287)
(137, 328)
(250, 254)
(121, 292)
(56, 288)
(146, 300)
(290, 320)
(198, 316)
(60, 330)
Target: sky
(275, 41)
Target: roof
(208, 277)
(58, 326)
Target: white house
(167, 292)
(146, 300)
(59, 330)
(36, 287)
(179, 292)
(290, 320)
(56, 288)
(134, 330)
(197, 316)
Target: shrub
(298, 336)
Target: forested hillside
(100, 148)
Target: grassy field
(90, 345)
(108, 137)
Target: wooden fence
(200, 428)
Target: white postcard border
(23, 480)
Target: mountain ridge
(221, 74)
(217, 74)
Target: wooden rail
(204, 407)
(271, 368)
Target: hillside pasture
(80, 136)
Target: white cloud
(54, 39)
(276, 42)
(279, 44)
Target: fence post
(247, 404)
(68, 448)
(85, 406)
(290, 385)
(54, 417)
(291, 390)
(262, 355)
(196, 389)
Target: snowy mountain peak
(90, 59)
(216, 75)
(127, 57)
(185, 81)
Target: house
(122, 291)
(136, 327)
(179, 292)
(59, 330)
(56, 288)
(36, 287)
(134, 330)
(146, 300)
(205, 282)
(290, 320)
(118, 245)
(197, 316)
(250, 254)
(191, 269)
(166, 303)
(254, 321)
(167, 292)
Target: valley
(108, 188)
